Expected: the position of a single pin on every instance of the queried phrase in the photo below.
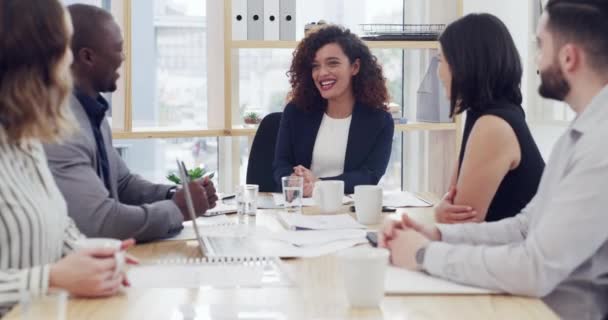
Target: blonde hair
(35, 78)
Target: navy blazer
(368, 148)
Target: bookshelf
(231, 97)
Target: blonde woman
(36, 235)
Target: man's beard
(553, 85)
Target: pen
(229, 196)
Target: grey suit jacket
(137, 208)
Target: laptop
(233, 246)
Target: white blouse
(35, 230)
(330, 147)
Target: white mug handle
(317, 195)
(120, 258)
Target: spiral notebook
(222, 272)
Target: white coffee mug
(363, 270)
(103, 243)
(368, 204)
(328, 195)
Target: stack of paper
(294, 221)
(402, 199)
(401, 281)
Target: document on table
(259, 241)
(217, 224)
(402, 199)
(318, 222)
(306, 202)
(402, 281)
(305, 238)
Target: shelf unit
(269, 44)
(231, 45)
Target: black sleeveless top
(519, 186)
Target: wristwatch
(420, 257)
(171, 192)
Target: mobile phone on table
(372, 237)
(384, 209)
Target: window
(169, 68)
(154, 159)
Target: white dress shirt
(557, 247)
(329, 152)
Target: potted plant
(252, 118)
(194, 174)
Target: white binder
(271, 19)
(288, 20)
(255, 20)
(239, 19)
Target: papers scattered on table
(318, 222)
(401, 281)
(402, 199)
(260, 241)
(306, 202)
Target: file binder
(239, 19)
(255, 20)
(271, 19)
(288, 20)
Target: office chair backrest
(259, 168)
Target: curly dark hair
(369, 85)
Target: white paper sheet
(306, 202)
(316, 237)
(207, 225)
(401, 281)
(261, 242)
(221, 208)
(402, 199)
(318, 222)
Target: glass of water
(292, 193)
(247, 200)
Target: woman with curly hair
(336, 126)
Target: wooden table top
(317, 294)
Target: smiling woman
(336, 126)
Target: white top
(557, 247)
(330, 147)
(35, 229)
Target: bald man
(103, 197)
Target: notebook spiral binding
(217, 260)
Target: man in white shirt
(557, 247)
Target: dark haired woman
(500, 166)
(336, 126)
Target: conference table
(316, 293)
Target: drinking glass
(292, 193)
(247, 200)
